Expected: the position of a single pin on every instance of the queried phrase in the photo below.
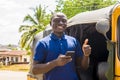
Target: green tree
(72, 7)
(37, 23)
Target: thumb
(86, 42)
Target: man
(50, 58)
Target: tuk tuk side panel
(114, 25)
(115, 15)
(117, 78)
(110, 72)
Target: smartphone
(70, 53)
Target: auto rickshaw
(102, 28)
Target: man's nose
(60, 22)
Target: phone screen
(70, 53)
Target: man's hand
(86, 48)
(62, 60)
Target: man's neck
(59, 35)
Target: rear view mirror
(103, 26)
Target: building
(14, 56)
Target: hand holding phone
(70, 53)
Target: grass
(16, 67)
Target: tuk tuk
(102, 28)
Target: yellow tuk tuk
(102, 28)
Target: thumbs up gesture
(86, 48)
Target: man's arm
(43, 68)
(84, 60)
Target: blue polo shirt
(50, 47)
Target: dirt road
(13, 75)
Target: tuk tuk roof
(91, 16)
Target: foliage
(12, 47)
(37, 23)
(72, 7)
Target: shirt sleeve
(78, 50)
(39, 52)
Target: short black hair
(54, 14)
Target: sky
(12, 13)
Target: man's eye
(64, 20)
(57, 21)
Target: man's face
(59, 23)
